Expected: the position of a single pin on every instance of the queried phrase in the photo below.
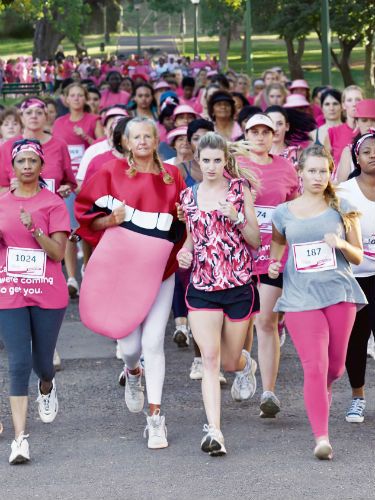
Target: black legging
(356, 357)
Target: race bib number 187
(314, 256)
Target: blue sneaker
(355, 414)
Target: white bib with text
(314, 256)
(264, 218)
(26, 262)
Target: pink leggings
(321, 338)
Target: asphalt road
(95, 448)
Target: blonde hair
(275, 86)
(349, 89)
(78, 85)
(330, 195)
(132, 170)
(212, 140)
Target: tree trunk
(369, 69)
(295, 58)
(46, 40)
(223, 49)
(343, 62)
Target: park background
(284, 33)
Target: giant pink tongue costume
(124, 274)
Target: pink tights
(321, 338)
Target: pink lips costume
(130, 261)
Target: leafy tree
(222, 17)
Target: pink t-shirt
(278, 183)
(27, 276)
(64, 129)
(97, 162)
(56, 169)
(109, 98)
(339, 137)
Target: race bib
(50, 184)
(264, 218)
(314, 256)
(369, 247)
(76, 152)
(26, 262)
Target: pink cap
(296, 101)
(213, 72)
(299, 84)
(161, 86)
(184, 108)
(114, 112)
(365, 109)
(140, 74)
(176, 132)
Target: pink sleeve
(294, 184)
(5, 175)
(59, 218)
(69, 177)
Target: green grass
(268, 51)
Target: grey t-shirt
(306, 291)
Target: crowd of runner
(242, 207)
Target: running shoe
(134, 397)
(323, 450)
(196, 372)
(73, 287)
(269, 405)
(181, 336)
(196, 369)
(20, 453)
(282, 331)
(245, 384)
(56, 361)
(157, 431)
(356, 412)
(213, 441)
(371, 347)
(48, 404)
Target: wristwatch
(38, 232)
(240, 219)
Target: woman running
(79, 129)
(221, 296)
(320, 294)
(330, 101)
(278, 183)
(34, 224)
(360, 191)
(142, 231)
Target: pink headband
(33, 103)
(25, 145)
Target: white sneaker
(196, 369)
(222, 378)
(181, 336)
(48, 404)
(134, 397)
(56, 361)
(20, 450)
(269, 405)
(157, 431)
(323, 450)
(73, 287)
(371, 347)
(213, 441)
(245, 383)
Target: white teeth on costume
(145, 220)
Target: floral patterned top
(221, 258)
